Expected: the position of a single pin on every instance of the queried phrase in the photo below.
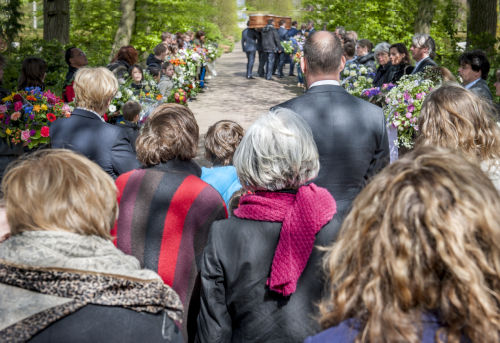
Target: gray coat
(351, 137)
(481, 89)
(270, 39)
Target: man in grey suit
(350, 133)
(422, 48)
(474, 68)
(249, 45)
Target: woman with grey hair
(382, 56)
(260, 270)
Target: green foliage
(52, 52)
(10, 20)
(277, 7)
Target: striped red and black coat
(165, 215)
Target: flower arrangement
(404, 102)
(377, 95)
(26, 115)
(179, 96)
(287, 46)
(356, 78)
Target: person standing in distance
(249, 46)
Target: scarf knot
(303, 214)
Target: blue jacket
(292, 32)
(105, 144)
(249, 40)
(223, 179)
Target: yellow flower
(44, 107)
(8, 98)
(8, 132)
(36, 108)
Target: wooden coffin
(257, 21)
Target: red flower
(51, 117)
(45, 131)
(17, 97)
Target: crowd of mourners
(301, 231)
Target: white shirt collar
(469, 85)
(92, 111)
(325, 82)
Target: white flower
(118, 95)
(352, 73)
(112, 108)
(129, 92)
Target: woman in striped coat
(165, 208)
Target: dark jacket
(94, 323)
(367, 60)
(103, 143)
(425, 63)
(397, 71)
(119, 68)
(270, 39)
(351, 137)
(236, 304)
(481, 89)
(381, 75)
(249, 40)
(292, 32)
(131, 131)
(153, 61)
(8, 153)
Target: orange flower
(36, 108)
(30, 98)
(159, 97)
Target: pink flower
(3, 108)
(25, 135)
(411, 108)
(406, 96)
(408, 115)
(15, 116)
(413, 120)
(419, 96)
(396, 114)
(416, 127)
(18, 105)
(44, 132)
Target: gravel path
(230, 95)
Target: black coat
(236, 304)
(397, 71)
(94, 323)
(351, 137)
(381, 75)
(481, 89)
(131, 130)
(103, 143)
(367, 60)
(270, 39)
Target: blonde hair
(422, 237)
(456, 118)
(58, 189)
(94, 88)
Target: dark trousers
(269, 65)
(281, 63)
(292, 64)
(262, 63)
(250, 62)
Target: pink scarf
(303, 214)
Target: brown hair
(423, 236)
(32, 74)
(401, 48)
(221, 142)
(57, 189)
(456, 118)
(170, 132)
(131, 110)
(128, 54)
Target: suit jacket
(249, 40)
(481, 89)
(292, 32)
(105, 144)
(270, 39)
(351, 137)
(425, 63)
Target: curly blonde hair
(422, 237)
(456, 118)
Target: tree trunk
(126, 27)
(423, 19)
(482, 23)
(56, 20)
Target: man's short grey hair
(277, 152)
(423, 40)
(382, 48)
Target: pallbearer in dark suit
(249, 46)
(86, 132)
(350, 133)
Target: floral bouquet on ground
(178, 96)
(404, 102)
(26, 115)
(356, 78)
